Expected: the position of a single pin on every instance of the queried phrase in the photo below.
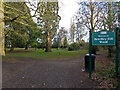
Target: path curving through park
(35, 73)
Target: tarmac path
(35, 73)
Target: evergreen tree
(49, 20)
(21, 30)
(72, 31)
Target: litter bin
(87, 62)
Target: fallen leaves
(44, 84)
(23, 77)
(33, 86)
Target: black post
(117, 49)
(90, 53)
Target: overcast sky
(67, 10)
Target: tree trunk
(48, 48)
(94, 50)
(2, 38)
(109, 51)
(26, 46)
(92, 18)
(78, 39)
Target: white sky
(67, 11)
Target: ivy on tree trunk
(2, 38)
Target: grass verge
(41, 54)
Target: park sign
(103, 38)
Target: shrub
(74, 46)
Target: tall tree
(72, 31)
(89, 14)
(17, 29)
(79, 30)
(62, 33)
(109, 19)
(48, 19)
(33, 33)
(110, 16)
(13, 14)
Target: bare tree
(80, 32)
(62, 34)
(72, 31)
(89, 14)
(109, 19)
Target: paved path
(31, 73)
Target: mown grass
(39, 53)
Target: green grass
(47, 55)
(8, 49)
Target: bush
(74, 46)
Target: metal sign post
(117, 49)
(90, 54)
(104, 38)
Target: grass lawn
(39, 53)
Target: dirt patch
(102, 62)
(105, 72)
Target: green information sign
(103, 37)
